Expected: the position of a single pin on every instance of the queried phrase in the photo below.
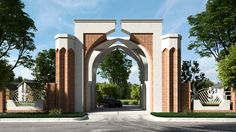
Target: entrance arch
(94, 63)
(158, 55)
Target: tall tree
(227, 69)
(44, 70)
(214, 29)
(16, 33)
(6, 75)
(190, 72)
(116, 68)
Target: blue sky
(57, 16)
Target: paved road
(114, 121)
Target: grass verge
(41, 115)
(195, 115)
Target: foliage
(116, 68)
(41, 115)
(108, 89)
(18, 79)
(6, 75)
(190, 72)
(44, 69)
(135, 91)
(195, 114)
(129, 102)
(55, 111)
(16, 33)
(227, 69)
(214, 29)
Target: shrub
(135, 92)
(134, 102)
(107, 89)
(125, 102)
(55, 111)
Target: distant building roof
(12, 86)
(31, 83)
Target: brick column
(69, 99)
(2, 101)
(233, 99)
(186, 97)
(50, 96)
(165, 78)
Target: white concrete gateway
(78, 57)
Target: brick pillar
(50, 96)
(186, 97)
(69, 99)
(60, 77)
(2, 101)
(165, 81)
(233, 99)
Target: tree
(116, 68)
(227, 69)
(214, 29)
(44, 70)
(16, 33)
(107, 89)
(18, 79)
(190, 72)
(6, 75)
(135, 92)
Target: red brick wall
(186, 97)
(2, 101)
(51, 96)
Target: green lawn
(129, 102)
(195, 115)
(41, 115)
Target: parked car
(110, 102)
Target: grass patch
(129, 102)
(41, 115)
(196, 114)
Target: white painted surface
(225, 105)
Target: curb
(44, 119)
(167, 119)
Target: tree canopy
(16, 33)
(116, 68)
(44, 69)
(6, 75)
(227, 69)
(214, 29)
(190, 72)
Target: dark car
(110, 102)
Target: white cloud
(134, 75)
(208, 66)
(165, 8)
(78, 3)
(24, 72)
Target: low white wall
(224, 105)
(12, 106)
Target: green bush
(134, 102)
(125, 102)
(55, 111)
(135, 92)
(108, 89)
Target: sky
(57, 16)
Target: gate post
(2, 101)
